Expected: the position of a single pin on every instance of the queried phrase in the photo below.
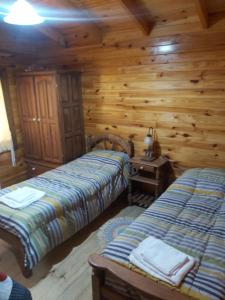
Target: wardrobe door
(71, 114)
(47, 105)
(28, 113)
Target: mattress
(76, 193)
(189, 216)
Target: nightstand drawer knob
(141, 168)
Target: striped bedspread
(189, 216)
(76, 193)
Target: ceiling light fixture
(22, 13)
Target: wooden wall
(172, 80)
(9, 174)
(181, 94)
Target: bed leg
(27, 273)
(97, 283)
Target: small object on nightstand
(149, 141)
(148, 180)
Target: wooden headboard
(110, 142)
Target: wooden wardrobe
(52, 118)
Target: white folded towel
(150, 250)
(21, 197)
(162, 261)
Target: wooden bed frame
(142, 287)
(110, 142)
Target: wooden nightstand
(148, 180)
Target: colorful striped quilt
(189, 216)
(76, 193)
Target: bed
(75, 194)
(189, 216)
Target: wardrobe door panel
(47, 104)
(50, 143)
(28, 113)
(52, 116)
(72, 114)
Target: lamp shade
(22, 13)
(148, 140)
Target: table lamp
(148, 141)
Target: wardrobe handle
(39, 119)
(34, 119)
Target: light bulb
(22, 13)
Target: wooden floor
(8, 262)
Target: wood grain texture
(8, 174)
(110, 142)
(70, 98)
(202, 12)
(76, 25)
(141, 286)
(173, 81)
(53, 34)
(51, 117)
(48, 118)
(141, 14)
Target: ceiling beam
(202, 12)
(141, 15)
(70, 5)
(53, 34)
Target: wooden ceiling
(78, 23)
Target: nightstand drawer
(148, 179)
(142, 167)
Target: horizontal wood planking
(173, 80)
(181, 94)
